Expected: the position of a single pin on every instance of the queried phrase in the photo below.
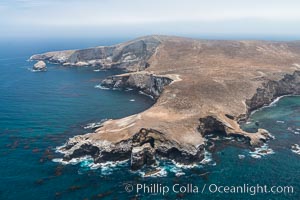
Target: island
(200, 87)
(40, 66)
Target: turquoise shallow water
(39, 111)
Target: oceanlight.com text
(157, 188)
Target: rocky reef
(201, 88)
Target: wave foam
(148, 95)
(128, 89)
(98, 70)
(296, 149)
(95, 124)
(87, 162)
(73, 161)
(59, 149)
(177, 171)
(261, 151)
(273, 103)
(34, 70)
(207, 158)
(296, 132)
(101, 87)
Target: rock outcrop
(141, 155)
(40, 66)
(201, 88)
(288, 85)
(148, 83)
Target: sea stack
(40, 66)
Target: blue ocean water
(40, 110)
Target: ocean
(41, 110)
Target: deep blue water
(40, 110)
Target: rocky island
(201, 87)
(40, 66)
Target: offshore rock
(40, 66)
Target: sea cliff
(201, 87)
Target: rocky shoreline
(131, 56)
(149, 84)
(201, 87)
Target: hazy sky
(82, 18)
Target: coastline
(181, 105)
(273, 102)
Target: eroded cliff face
(201, 88)
(148, 83)
(266, 94)
(212, 125)
(288, 85)
(143, 148)
(130, 56)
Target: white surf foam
(208, 159)
(261, 151)
(128, 89)
(184, 166)
(98, 70)
(88, 162)
(296, 132)
(159, 172)
(101, 87)
(148, 95)
(59, 149)
(108, 164)
(273, 103)
(296, 149)
(255, 156)
(33, 70)
(107, 168)
(94, 125)
(73, 161)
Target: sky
(115, 18)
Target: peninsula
(201, 87)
